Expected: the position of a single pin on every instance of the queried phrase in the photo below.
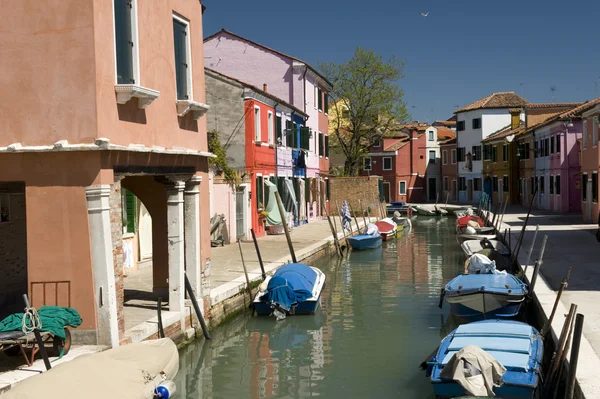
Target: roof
(444, 133)
(262, 92)
(496, 100)
(445, 123)
(449, 141)
(272, 50)
(505, 132)
(397, 145)
(553, 105)
(570, 113)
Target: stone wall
(116, 227)
(354, 189)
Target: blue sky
(462, 51)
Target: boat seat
(512, 361)
(500, 344)
(495, 329)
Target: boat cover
(130, 371)
(481, 264)
(386, 225)
(371, 230)
(290, 285)
(54, 319)
(506, 284)
(463, 221)
(475, 370)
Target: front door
(386, 192)
(240, 215)
(432, 188)
(454, 190)
(470, 190)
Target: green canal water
(379, 319)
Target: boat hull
(445, 390)
(362, 242)
(480, 306)
(307, 307)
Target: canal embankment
(570, 243)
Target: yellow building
(501, 163)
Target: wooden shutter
(327, 146)
(327, 188)
(278, 131)
(326, 103)
(181, 65)
(131, 208)
(294, 135)
(259, 191)
(124, 41)
(320, 99)
(288, 134)
(304, 139)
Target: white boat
(131, 371)
(474, 246)
(425, 211)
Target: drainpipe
(304, 86)
(276, 146)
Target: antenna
(553, 91)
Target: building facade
(590, 160)
(474, 123)
(109, 120)
(433, 162)
(449, 179)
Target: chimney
(515, 118)
(265, 87)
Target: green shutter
(294, 135)
(326, 103)
(321, 151)
(327, 146)
(304, 138)
(278, 129)
(259, 191)
(288, 134)
(181, 66)
(124, 41)
(328, 188)
(131, 208)
(320, 99)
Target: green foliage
(367, 95)
(220, 162)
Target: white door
(500, 192)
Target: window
(494, 154)
(444, 157)
(476, 152)
(462, 183)
(532, 184)
(257, 124)
(322, 150)
(460, 126)
(546, 147)
(585, 134)
(551, 144)
(431, 156)
(595, 187)
(584, 181)
(557, 184)
(477, 184)
(505, 184)
(495, 183)
(305, 133)
(476, 123)
(326, 146)
(453, 156)
(551, 184)
(259, 192)
(320, 99)
(270, 123)
(558, 143)
(505, 152)
(278, 129)
(4, 208)
(402, 188)
(542, 185)
(367, 164)
(289, 134)
(431, 132)
(376, 142)
(461, 154)
(326, 102)
(316, 96)
(527, 150)
(183, 73)
(327, 189)
(128, 211)
(535, 149)
(595, 132)
(487, 153)
(126, 46)
(445, 183)
(387, 163)
(541, 148)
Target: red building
(449, 169)
(400, 160)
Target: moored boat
(467, 237)
(514, 346)
(369, 239)
(464, 221)
(294, 288)
(387, 228)
(473, 246)
(421, 210)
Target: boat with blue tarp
(369, 239)
(514, 348)
(294, 288)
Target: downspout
(276, 146)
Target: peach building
(102, 105)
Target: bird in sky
(424, 14)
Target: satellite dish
(510, 138)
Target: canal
(378, 321)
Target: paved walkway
(571, 243)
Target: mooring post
(524, 227)
(245, 272)
(354, 216)
(161, 331)
(538, 264)
(503, 212)
(285, 226)
(560, 348)
(337, 208)
(260, 261)
(574, 355)
(190, 292)
(338, 249)
(563, 284)
(362, 211)
(537, 228)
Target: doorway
(470, 190)
(240, 214)
(432, 189)
(487, 186)
(386, 192)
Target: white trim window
(444, 157)
(402, 187)
(431, 135)
(387, 163)
(454, 156)
(127, 56)
(257, 136)
(367, 163)
(183, 59)
(270, 126)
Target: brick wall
(13, 248)
(116, 226)
(353, 189)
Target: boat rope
(31, 321)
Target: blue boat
(294, 288)
(364, 241)
(485, 296)
(515, 345)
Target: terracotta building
(118, 101)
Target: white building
(475, 122)
(433, 170)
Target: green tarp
(53, 318)
(274, 217)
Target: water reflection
(379, 319)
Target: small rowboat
(387, 228)
(464, 221)
(364, 241)
(473, 246)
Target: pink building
(590, 160)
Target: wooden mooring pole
(338, 248)
(337, 208)
(354, 216)
(260, 261)
(285, 226)
(245, 271)
(574, 356)
(538, 265)
(531, 248)
(563, 284)
(362, 211)
(520, 240)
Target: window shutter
(181, 66)
(327, 146)
(294, 135)
(288, 133)
(321, 151)
(278, 129)
(304, 140)
(328, 189)
(320, 99)
(326, 103)
(124, 41)
(130, 206)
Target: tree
(366, 104)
